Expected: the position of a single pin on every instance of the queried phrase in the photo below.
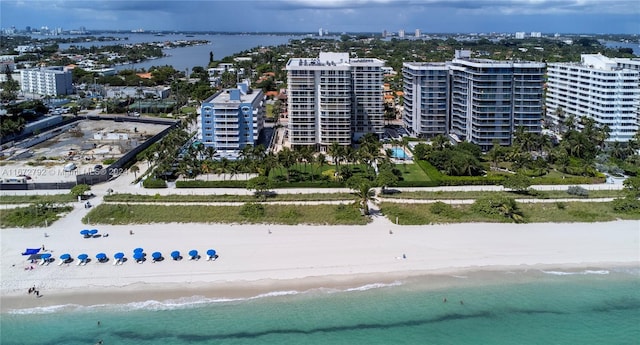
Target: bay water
(188, 57)
(593, 306)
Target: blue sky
(547, 16)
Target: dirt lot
(88, 144)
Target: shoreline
(260, 259)
(165, 296)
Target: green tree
(632, 186)
(517, 182)
(261, 185)
(386, 178)
(79, 190)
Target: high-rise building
(320, 32)
(426, 98)
(603, 89)
(401, 33)
(52, 81)
(490, 99)
(418, 33)
(520, 35)
(333, 98)
(474, 100)
(232, 119)
(536, 34)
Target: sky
(336, 16)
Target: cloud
(479, 6)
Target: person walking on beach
(444, 300)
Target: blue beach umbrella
(65, 257)
(93, 231)
(175, 254)
(193, 252)
(138, 256)
(83, 257)
(101, 256)
(45, 256)
(119, 255)
(85, 232)
(211, 252)
(156, 255)
(138, 250)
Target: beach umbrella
(45, 256)
(193, 253)
(101, 256)
(119, 255)
(138, 256)
(156, 255)
(93, 231)
(138, 250)
(65, 257)
(175, 254)
(83, 257)
(85, 232)
(211, 252)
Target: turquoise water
(535, 307)
(397, 152)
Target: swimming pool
(399, 153)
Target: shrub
(109, 161)
(578, 191)
(626, 205)
(440, 207)
(498, 206)
(252, 210)
(561, 205)
(154, 183)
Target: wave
(188, 302)
(585, 272)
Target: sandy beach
(257, 259)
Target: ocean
(598, 306)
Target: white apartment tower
(490, 99)
(333, 99)
(520, 35)
(474, 100)
(426, 98)
(603, 89)
(52, 81)
(418, 33)
(401, 33)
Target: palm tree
(335, 150)
(321, 160)
(134, 169)
(363, 190)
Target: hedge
(211, 184)
(154, 183)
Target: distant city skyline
(334, 16)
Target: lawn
(225, 197)
(265, 214)
(458, 195)
(420, 214)
(412, 172)
(31, 199)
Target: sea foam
(585, 272)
